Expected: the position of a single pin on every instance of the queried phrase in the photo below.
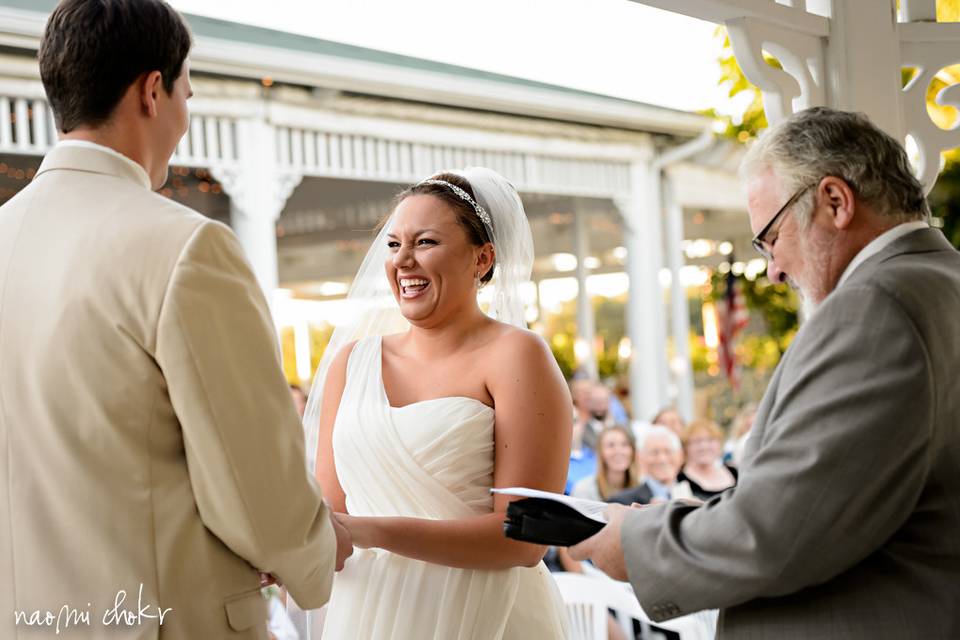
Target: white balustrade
(367, 157)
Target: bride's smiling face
(432, 264)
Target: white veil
(372, 309)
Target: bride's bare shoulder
(338, 366)
(512, 343)
(520, 362)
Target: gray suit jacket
(147, 434)
(846, 519)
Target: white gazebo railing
(344, 155)
(26, 125)
(210, 140)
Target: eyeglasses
(760, 242)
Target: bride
(413, 428)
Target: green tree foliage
(753, 120)
(945, 202)
(775, 304)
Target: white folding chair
(586, 609)
(593, 595)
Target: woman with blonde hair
(704, 469)
(616, 466)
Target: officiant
(845, 520)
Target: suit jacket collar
(90, 160)
(920, 241)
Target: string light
(185, 181)
(17, 174)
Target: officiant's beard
(808, 306)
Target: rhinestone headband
(463, 195)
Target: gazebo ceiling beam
(796, 18)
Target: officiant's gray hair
(820, 142)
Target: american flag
(732, 317)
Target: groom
(151, 460)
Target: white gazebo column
(681, 366)
(258, 188)
(641, 212)
(586, 326)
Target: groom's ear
(150, 88)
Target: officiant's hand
(344, 540)
(604, 548)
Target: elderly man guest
(662, 454)
(846, 520)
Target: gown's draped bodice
(430, 459)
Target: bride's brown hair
(466, 215)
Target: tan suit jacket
(147, 434)
(845, 523)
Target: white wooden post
(258, 188)
(586, 325)
(681, 366)
(641, 213)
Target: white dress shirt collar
(880, 243)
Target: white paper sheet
(590, 508)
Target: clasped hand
(344, 550)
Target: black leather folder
(544, 521)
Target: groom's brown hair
(93, 50)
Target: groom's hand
(604, 548)
(344, 541)
(267, 579)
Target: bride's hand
(361, 529)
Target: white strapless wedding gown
(431, 459)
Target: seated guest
(662, 455)
(619, 411)
(583, 462)
(670, 418)
(581, 390)
(704, 469)
(616, 466)
(598, 405)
